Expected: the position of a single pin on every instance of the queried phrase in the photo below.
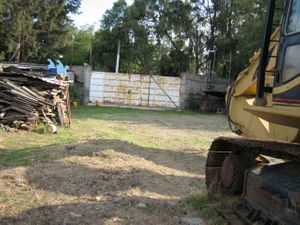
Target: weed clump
(200, 201)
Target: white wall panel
(135, 90)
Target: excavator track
(229, 170)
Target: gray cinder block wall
(192, 95)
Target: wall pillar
(183, 91)
(87, 73)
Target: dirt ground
(113, 166)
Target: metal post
(260, 89)
(213, 67)
(214, 62)
(230, 68)
(118, 56)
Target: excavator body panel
(263, 106)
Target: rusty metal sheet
(133, 89)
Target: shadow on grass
(51, 168)
(164, 157)
(78, 180)
(48, 171)
(124, 211)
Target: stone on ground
(192, 221)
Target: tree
(33, 30)
(198, 34)
(171, 37)
(16, 27)
(107, 38)
(247, 31)
(80, 49)
(104, 51)
(231, 26)
(124, 24)
(171, 23)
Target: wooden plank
(24, 100)
(60, 114)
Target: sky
(92, 11)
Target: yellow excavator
(262, 166)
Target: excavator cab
(287, 76)
(279, 103)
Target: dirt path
(134, 171)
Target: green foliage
(124, 24)
(79, 50)
(104, 51)
(171, 37)
(33, 30)
(200, 202)
(157, 37)
(22, 157)
(40, 129)
(75, 92)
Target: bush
(75, 92)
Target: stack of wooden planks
(27, 100)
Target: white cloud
(92, 11)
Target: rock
(141, 206)
(19, 182)
(192, 221)
(75, 215)
(98, 198)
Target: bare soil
(123, 167)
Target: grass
(94, 122)
(200, 201)
(96, 111)
(23, 157)
(167, 147)
(88, 123)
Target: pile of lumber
(27, 100)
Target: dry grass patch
(108, 162)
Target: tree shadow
(74, 170)
(93, 148)
(122, 212)
(66, 169)
(79, 180)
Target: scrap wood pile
(27, 100)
